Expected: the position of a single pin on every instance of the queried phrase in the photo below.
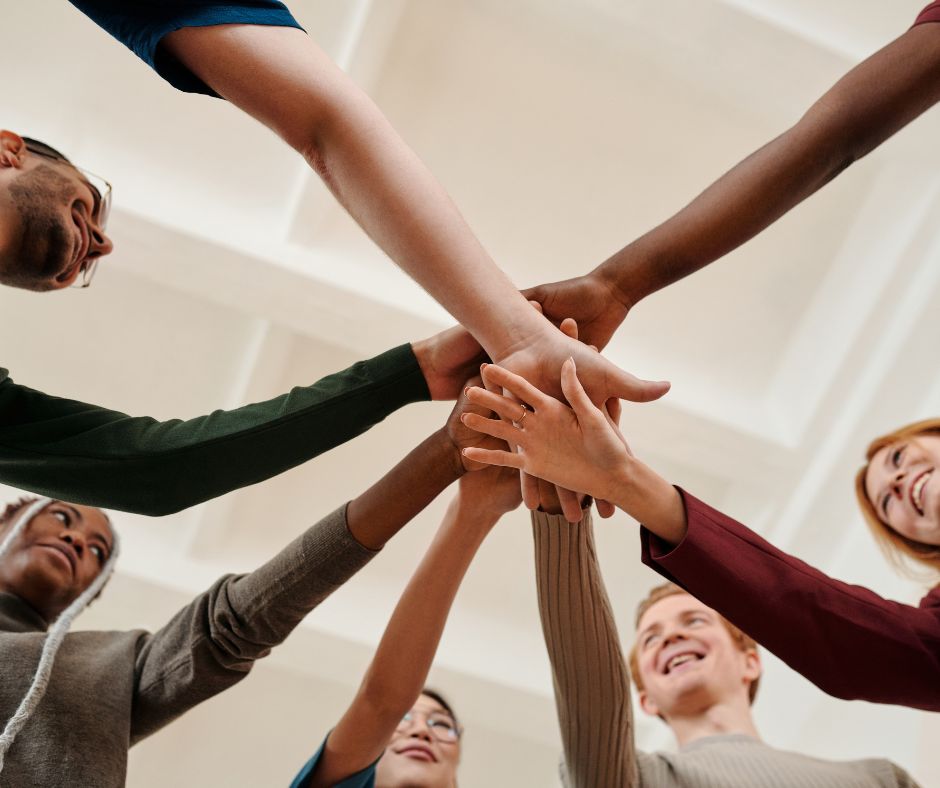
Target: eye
(98, 553)
(62, 517)
(650, 639)
(884, 504)
(697, 620)
(897, 455)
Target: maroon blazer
(847, 640)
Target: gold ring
(525, 412)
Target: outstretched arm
(592, 692)
(213, 642)
(863, 109)
(403, 658)
(723, 563)
(279, 76)
(88, 454)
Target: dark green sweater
(86, 454)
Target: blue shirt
(141, 24)
(363, 779)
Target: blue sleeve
(363, 779)
(141, 24)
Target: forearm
(591, 680)
(282, 78)
(649, 499)
(784, 603)
(867, 106)
(87, 454)
(381, 511)
(404, 656)
(213, 642)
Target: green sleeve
(86, 454)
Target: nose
(75, 539)
(419, 728)
(100, 243)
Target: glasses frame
(100, 186)
(449, 734)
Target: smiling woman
(899, 496)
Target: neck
(716, 719)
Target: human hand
(539, 358)
(447, 359)
(577, 447)
(493, 490)
(593, 301)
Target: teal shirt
(363, 779)
(91, 455)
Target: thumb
(623, 385)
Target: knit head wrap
(56, 633)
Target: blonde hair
(900, 550)
(743, 641)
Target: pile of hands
(539, 426)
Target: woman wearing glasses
(396, 733)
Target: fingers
(575, 394)
(502, 406)
(627, 386)
(493, 427)
(614, 409)
(520, 387)
(605, 508)
(507, 459)
(570, 504)
(536, 306)
(569, 327)
(530, 490)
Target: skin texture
(895, 486)
(371, 725)
(48, 219)
(56, 557)
(863, 109)
(283, 79)
(404, 762)
(578, 447)
(706, 696)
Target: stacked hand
(578, 447)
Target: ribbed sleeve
(592, 692)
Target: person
(254, 54)
(781, 601)
(387, 738)
(691, 667)
(103, 691)
(867, 106)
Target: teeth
(679, 660)
(917, 493)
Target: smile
(917, 491)
(681, 659)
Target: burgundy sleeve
(930, 14)
(847, 640)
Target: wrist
(447, 452)
(609, 275)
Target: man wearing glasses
(252, 53)
(54, 224)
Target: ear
(752, 666)
(12, 149)
(647, 704)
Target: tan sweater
(109, 690)
(593, 698)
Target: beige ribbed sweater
(593, 698)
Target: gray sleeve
(213, 642)
(592, 686)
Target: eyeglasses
(442, 728)
(101, 190)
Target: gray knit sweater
(592, 695)
(109, 690)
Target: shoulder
(932, 600)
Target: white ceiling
(563, 130)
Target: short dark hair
(435, 695)
(44, 149)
